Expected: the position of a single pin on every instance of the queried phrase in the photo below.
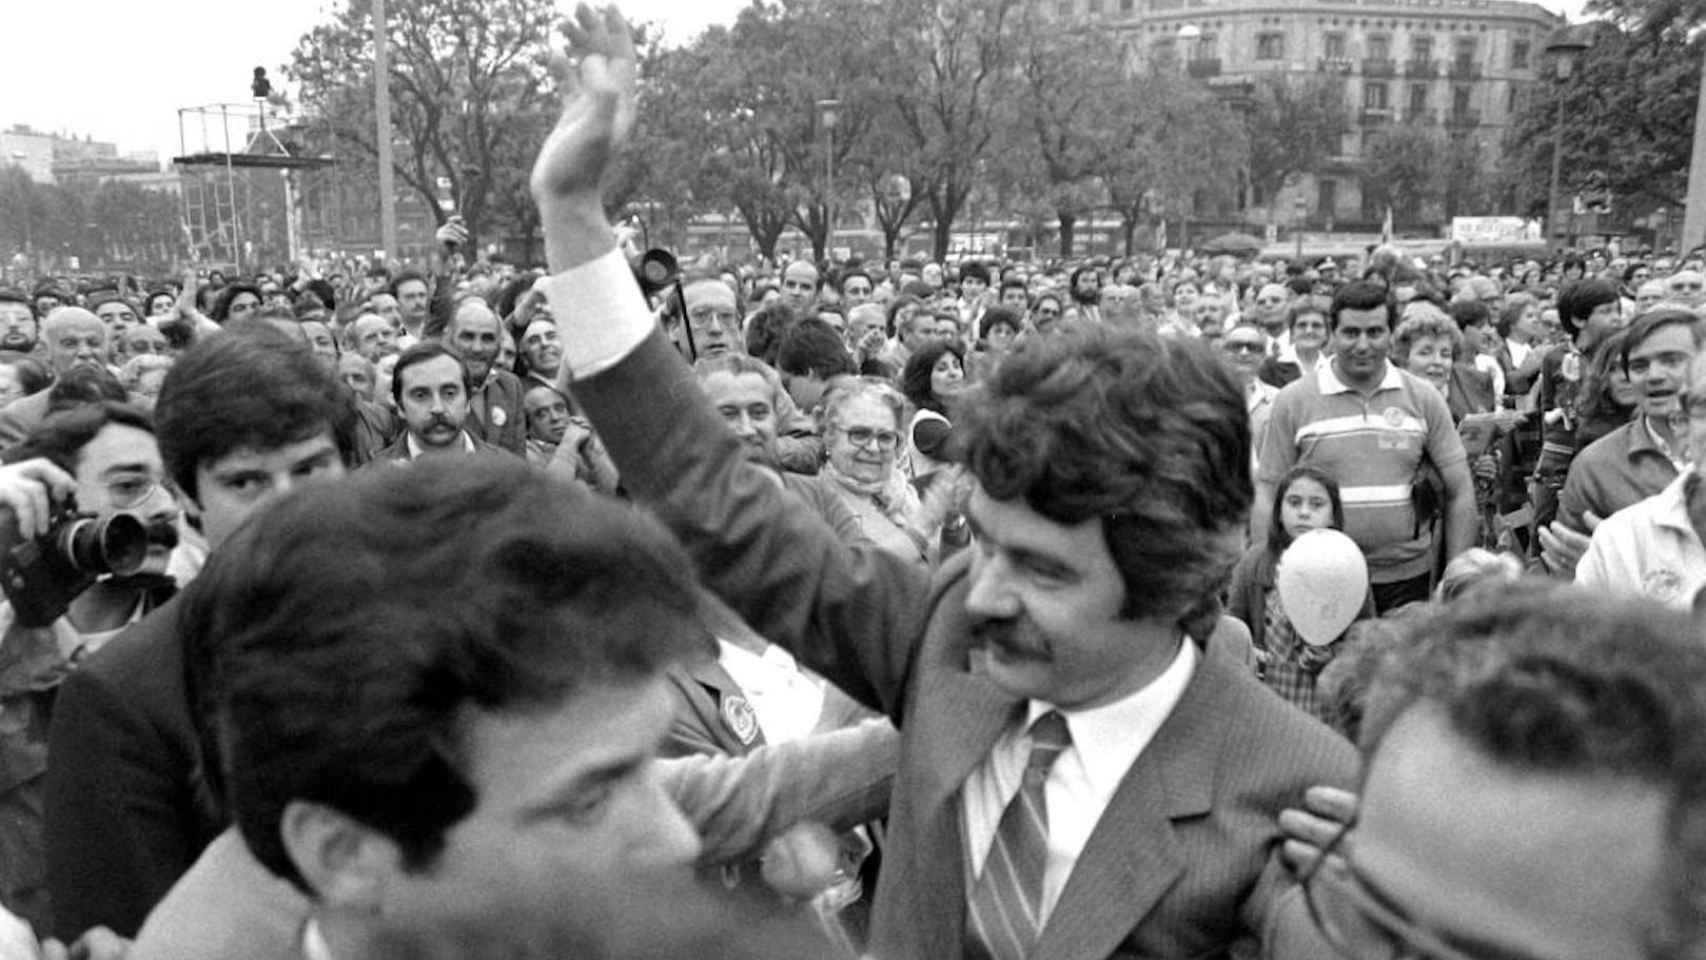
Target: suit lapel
(1133, 857)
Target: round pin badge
(1393, 416)
(499, 417)
(738, 714)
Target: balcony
(1340, 65)
(1462, 70)
(1463, 118)
(1421, 69)
(1375, 116)
(1203, 67)
(1379, 68)
(1421, 118)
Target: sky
(113, 68)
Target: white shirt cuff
(601, 315)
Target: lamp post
(829, 114)
(1563, 49)
(1189, 34)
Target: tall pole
(1553, 220)
(829, 189)
(1694, 217)
(382, 115)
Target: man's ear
(345, 862)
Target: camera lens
(117, 545)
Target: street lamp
(1188, 35)
(1563, 48)
(829, 114)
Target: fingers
(99, 943)
(1331, 802)
(52, 949)
(1591, 520)
(31, 488)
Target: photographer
(66, 596)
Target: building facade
(1458, 65)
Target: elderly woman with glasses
(862, 421)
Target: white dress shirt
(786, 701)
(1106, 741)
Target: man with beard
(18, 327)
(431, 387)
(1086, 291)
(494, 395)
(75, 338)
(1372, 427)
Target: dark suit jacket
(497, 415)
(128, 809)
(398, 450)
(1471, 392)
(1181, 863)
(21, 416)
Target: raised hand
(598, 109)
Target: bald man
(74, 338)
(497, 413)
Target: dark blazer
(398, 450)
(497, 415)
(128, 808)
(1471, 392)
(1181, 863)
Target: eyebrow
(559, 794)
(125, 468)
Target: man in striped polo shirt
(1373, 427)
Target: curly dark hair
(915, 378)
(1146, 433)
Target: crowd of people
(896, 609)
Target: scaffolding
(232, 202)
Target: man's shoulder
(506, 381)
(144, 665)
(1609, 450)
(395, 451)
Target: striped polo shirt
(1373, 446)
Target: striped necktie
(1004, 913)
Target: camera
(42, 576)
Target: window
(1463, 54)
(1422, 48)
(1270, 46)
(1519, 55)
(1418, 97)
(1374, 96)
(1379, 47)
(1333, 46)
(1460, 99)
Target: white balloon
(1322, 582)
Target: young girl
(1308, 499)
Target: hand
(1561, 548)
(30, 489)
(1308, 831)
(96, 943)
(598, 108)
(454, 233)
(1486, 468)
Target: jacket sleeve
(850, 612)
(737, 804)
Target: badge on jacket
(499, 417)
(738, 714)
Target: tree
(950, 72)
(1628, 112)
(1294, 128)
(468, 90)
(1401, 169)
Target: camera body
(41, 576)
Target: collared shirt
(1649, 549)
(1288, 354)
(786, 700)
(415, 450)
(1106, 741)
(1518, 351)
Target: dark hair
(850, 273)
(222, 304)
(421, 353)
(813, 348)
(1016, 284)
(895, 306)
(32, 376)
(1578, 299)
(768, 326)
(1147, 434)
(348, 633)
(1278, 539)
(1469, 313)
(994, 316)
(62, 434)
(1304, 305)
(1360, 295)
(1655, 320)
(406, 276)
(915, 376)
(1565, 682)
(1072, 283)
(322, 291)
(252, 387)
(9, 295)
(82, 385)
(1516, 304)
(973, 270)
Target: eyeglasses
(1240, 346)
(885, 440)
(1048, 313)
(1688, 287)
(1353, 919)
(127, 491)
(705, 317)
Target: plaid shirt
(1289, 665)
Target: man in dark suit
(1079, 776)
(432, 386)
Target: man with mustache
(431, 387)
(18, 327)
(1080, 773)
